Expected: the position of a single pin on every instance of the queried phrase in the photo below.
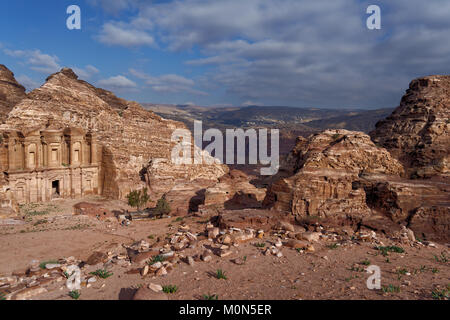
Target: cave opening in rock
(55, 188)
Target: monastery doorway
(55, 189)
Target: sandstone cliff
(325, 170)
(133, 139)
(418, 131)
(11, 92)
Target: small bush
(333, 246)
(158, 258)
(102, 273)
(390, 289)
(170, 289)
(221, 274)
(75, 294)
(442, 294)
(442, 258)
(386, 250)
(365, 262)
(210, 297)
(138, 198)
(162, 207)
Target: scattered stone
(149, 294)
(278, 244)
(161, 272)
(213, 233)
(297, 244)
(155, 287)
(144, 270)
(28, 293)
(285, 226)
(311, 236)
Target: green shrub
(170, 289)
(221, 274)
(138, 198)
(75, 294)
(162, 206)
(385, 250)
(102, 273)
(390, 289)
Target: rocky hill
(341, 177)
(321, 174)
(418, 131)
(136, 143)
(11, 92)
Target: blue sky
(273, 52)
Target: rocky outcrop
(431, 223)
(418, 131)
(325, 172)
(11, 92)
(234, 191)
(136, 143)
(422, 205)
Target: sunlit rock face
(418, 131)
(325, 172)
(135, 143)
(11, 92)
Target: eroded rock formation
(11, 92)
(325, 172)
(234, 191)
(418, 131)
(136, 143)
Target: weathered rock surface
(11, 92)
(418, 131)
(249, 218)
(234, 191)
(326, 169)
(136, 143)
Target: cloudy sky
(300, 53)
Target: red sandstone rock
(11, 92)
(326, 169)
(136, 144)
(418, 131)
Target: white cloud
(118, 83)
(114, 6)
(86, 72)
(27, 82)
(302, 52)
(168, 83)
(121, 34)
(37, 60)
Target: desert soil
(50, 232)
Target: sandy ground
(327, 273)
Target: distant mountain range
(291, 118)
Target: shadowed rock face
(325, 175)
(418, 131)
(11, 92)
(131, 137)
